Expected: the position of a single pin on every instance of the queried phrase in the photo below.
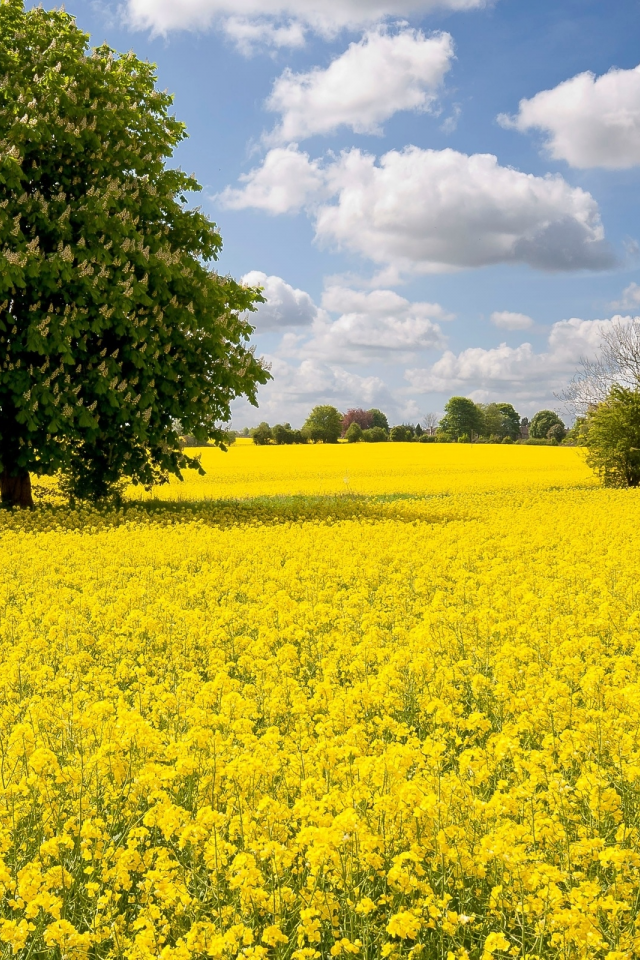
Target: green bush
(613, 439)
(262, 434)
(354, 433)
(401, 434)
(374, 435)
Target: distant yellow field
(383, 468)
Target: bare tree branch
(618, 364)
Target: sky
(437, 198)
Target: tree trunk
(16, 491)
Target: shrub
(427, 438)
(401, 434)
(613, 439)
(354, 432)
(262, 434)
(374, 435)
(283, 434)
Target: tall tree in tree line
(115, 335)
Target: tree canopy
(363, 418)
(116, 336)
(612, 438)
(542, 422)
(461, 418)
(324, 423)
(378, 419)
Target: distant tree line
(463, 422)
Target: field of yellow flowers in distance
(363, 468)
(286, 720)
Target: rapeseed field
(293, 720)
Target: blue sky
(437, 198)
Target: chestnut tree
(116, 335)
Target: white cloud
(372, 80)
(285, 305)
(323, 16)
(379, 303)
(630, 298)
(380, 325)
(507, 320)
(287, 181)
(250, 34)
(517, 372)
(436, 210)
(590, 121)
(430, 211)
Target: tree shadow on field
(257, 511)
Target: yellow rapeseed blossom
(393, 720)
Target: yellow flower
(405, 925)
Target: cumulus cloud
(380, 325)
(372, 80)
(248, 35)
(507, 320)
(285, 306)
(630, 298)
(589, 121)
(520, 371)
(436, 210)
(323, 16)
(430, 211)
(379, 303)
(287, 181)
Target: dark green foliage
(499, 420)
(113, 329)
(510, 420)
(262, 434)
(427, 438)
(462, 418)
(401, 434)
(418, 430)
(324, 424)
(354, 432)
(378, 419)
(557, 432)
(542, 423)
(613, 438)
(283, 434)
(374, 435)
